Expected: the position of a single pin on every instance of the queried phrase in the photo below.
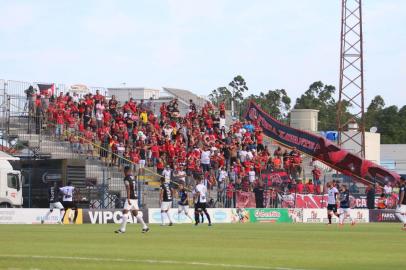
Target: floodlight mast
(351, 82)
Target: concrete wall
(372, 145)
(125, 93)
(393, 156)
(304, 119)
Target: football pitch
(228, 246)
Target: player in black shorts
(332, 193)
(165, 200)
(183, 204)
(54, 203)
(68, 201)
(200, 193)
(131, 202)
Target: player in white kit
(68, 202)
(200, 194)
(332, 193)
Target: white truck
(11, 194)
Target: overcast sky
(199, 45)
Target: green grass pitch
(226, 246)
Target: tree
(374, 108)
(221, 94)
(389, 125)
(321, 97)
(275, 102)
(239, 86)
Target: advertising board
(29, 216)
(319, 215)
(218, 215)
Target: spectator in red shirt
(229, 194)
(98, 96)
(310, 187)
(222, 108)
(260, 140)
(60, 122)
(276, 162)
(316, 179)
(299, 187)
(154, 154)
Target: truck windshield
(12, 181)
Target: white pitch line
(150, 261)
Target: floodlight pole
(351, 82)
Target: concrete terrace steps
(94, 168)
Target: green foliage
(390, 121)
(239, 86)
(221, 94)
(321, 97)
(275, 102)
(236, 92)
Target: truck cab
(11, 194)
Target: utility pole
(351, 83)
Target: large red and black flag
(46, 89)
(322, 149)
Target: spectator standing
(310, 187)
(167, 173)
(299, 187)
(354, 188)
(316, 173)
(259, 194)
(180, 175)
(229, 194)
(381, 202)
(370, 192)
(251, 175)
(205, 160)
(387, 190)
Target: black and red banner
(322, 149)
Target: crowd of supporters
(175, 146)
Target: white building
(372, 144)
(304, 119)
(124, 94)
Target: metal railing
(26, 129)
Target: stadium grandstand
(173, 128)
